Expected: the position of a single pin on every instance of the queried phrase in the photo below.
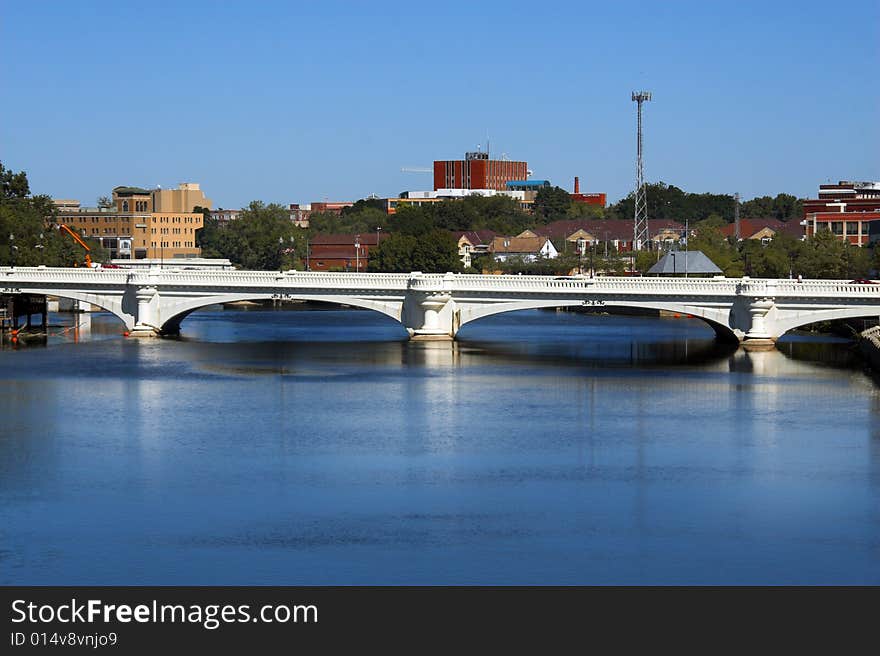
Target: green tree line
(29, 231)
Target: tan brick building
(135, 229)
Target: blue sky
(298, 102)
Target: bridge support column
(428, 310)
(758, 337)
(146, 324)
(436, 322)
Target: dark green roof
(129, 191)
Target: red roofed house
(342, 252)
(763, 229)
(618, 232)
(472, 242)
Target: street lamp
(13, 249)
(357, 253)
(40, 247)
(581, 247)
(592, 251)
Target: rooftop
(684, 262)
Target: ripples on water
(322, 447)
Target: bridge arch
(174, 311)
(786, 321)
(115, 305)
(718, 318)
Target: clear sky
(306, 101)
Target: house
(342, 252)
(763, 229)
(526, 249)
(473, 242)
(616, 232)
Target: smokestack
(577, 185)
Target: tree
(823, 256)
(668, 202)
(551, 204)
(411, 220)
(14, 185)
(784, 207)
(717, 248)
(432, 252)
(367, 219)
(585, 211)
(436, 252)
(207, 237)
(363, 204)
(29, 234)
(263, 238)
(394, 254)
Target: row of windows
(176, 219)
(139, 205)
(852, 227)
(173, 231)
(172, 244)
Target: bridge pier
(146, 324)
(759, 336)
(436, 318)
(428, 310)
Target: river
(321, 447)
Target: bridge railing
(462, 283)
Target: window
(837, 227)
(852, 227)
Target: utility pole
(736, 228)
(640, 218)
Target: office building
(477, 171)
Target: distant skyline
(288, 102)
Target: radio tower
(640, 220)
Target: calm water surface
(321, 447)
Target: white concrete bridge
(436, 306)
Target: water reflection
(539, 448)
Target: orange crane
(79, 241)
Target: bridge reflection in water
(538, 448)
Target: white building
(526, 249)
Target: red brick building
(595, 198)
(477, 171)
(335, 207)
(342, 252)
(845, 197)
(854, 227)
(848, 209)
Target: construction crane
(76, 237)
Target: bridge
(155, 301)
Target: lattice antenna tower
(640, 218)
